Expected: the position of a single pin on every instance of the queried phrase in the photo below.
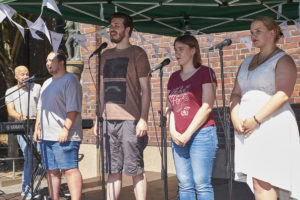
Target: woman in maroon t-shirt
(191, 95)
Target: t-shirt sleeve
(170, 82)
(73, 95)
(142, 62)
(209, 76)
(9, 98)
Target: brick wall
(233, 57)
(89, 78)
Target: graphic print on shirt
(114, 76)
(180, 100)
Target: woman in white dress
(267, 147)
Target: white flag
(9, 12)
(279, 10)
(40, 25)
(2, 14)
(142, 39)
(103, 33)
(285, 30)
(101, 12)
(81, 39)
(297, 24)
(210, 39)
(169, 52)
(51, 5)
(247, 41)
(56, 40)
(21, 29)
(32, 31)
(195, 32)
(155, 47)
(133, 35)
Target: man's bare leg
(53, 179)
(140, 186)
(74, 180)
(114, 185)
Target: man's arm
(13, 113)
(141, 128)
(70, 119)
(37, 128)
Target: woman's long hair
(192, 42)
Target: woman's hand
(184, 139)
(238, 126)
(249, 125)
(176, 137)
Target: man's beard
(119, 39)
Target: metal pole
(226, 128)
(163, 137)
(100, 127)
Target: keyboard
(21, 126)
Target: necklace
(269, 56)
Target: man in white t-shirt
(17, 107)
(59, 126)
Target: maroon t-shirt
(186, 97)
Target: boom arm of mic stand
(10, 94)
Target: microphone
(102, 46)
(159, 66)
(226, 42)
(30, 79)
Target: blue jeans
(26, 177)
(194, 164)
(57, 155)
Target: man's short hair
(128, 21)
(61, 56)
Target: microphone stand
(31, 141)
(100, 127)
(226, 128)
(163, 135)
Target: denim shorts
(57, 155)
(123, 151)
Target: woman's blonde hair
(270, 24)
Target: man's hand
(141, 128)
(63, 136)
(37, 134)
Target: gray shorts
(122, 149)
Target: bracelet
(66, 128)
(256, 120)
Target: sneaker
(28, 197)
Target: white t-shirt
(20, 99)
(58, 97)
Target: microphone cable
(90, 71)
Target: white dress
(272, 152)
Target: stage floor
(92, 189)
